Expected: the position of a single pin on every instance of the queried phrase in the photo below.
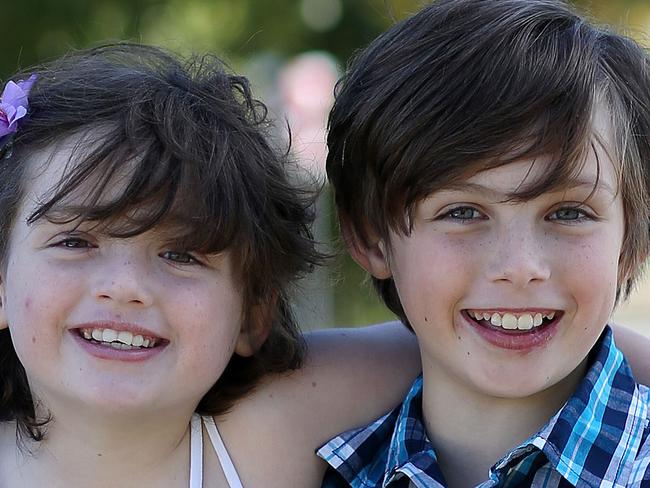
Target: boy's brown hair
(194, 144)
(468, 85)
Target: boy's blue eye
(568, 214)
(179, 257)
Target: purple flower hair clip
(13, 107)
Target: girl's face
(116, 324)
(508, 298)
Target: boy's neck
(465, 425)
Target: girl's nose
(519, 257)
(124, 281)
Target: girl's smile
(118, 341)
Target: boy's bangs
(555, 160)
(530, 96)
(122, 196)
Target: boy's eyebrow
(578, 183)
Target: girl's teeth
(118, 340)
(109, 335)
(124, 336)
(537, 320)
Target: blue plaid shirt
(598, 439)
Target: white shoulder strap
(222, 454)
(196, 452)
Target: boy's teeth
(509, 321)
(525, 322)
(118, 340)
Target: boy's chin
(516, 384)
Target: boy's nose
(518, 258)
(123, 282)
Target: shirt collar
(601, 425)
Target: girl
(148, 241)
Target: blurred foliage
(242, 30)
(35, 30)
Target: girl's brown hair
(194, 144)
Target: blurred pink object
(306, 86)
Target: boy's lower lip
(101, 351)
(515, 340)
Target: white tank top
(196, 453)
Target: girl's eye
(463, 213)
(74, 243)
(179, 257)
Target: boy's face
(508, 298)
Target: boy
(489, 160)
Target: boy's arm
(350, 378)
(636, 348)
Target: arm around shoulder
(636, 348)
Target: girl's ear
(370, 254)
(255, 329)
(3, 316)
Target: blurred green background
(267, 40)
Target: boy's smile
(518, 329)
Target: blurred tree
(35, 30)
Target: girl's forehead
(50, 166)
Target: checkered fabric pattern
(598, 439)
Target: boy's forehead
(597, 167)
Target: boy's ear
(255, 329)
(371, 255)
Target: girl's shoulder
(350, 377)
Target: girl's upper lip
(514, 310)
(118, 327)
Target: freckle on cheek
(28, 303)
(33, 339)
